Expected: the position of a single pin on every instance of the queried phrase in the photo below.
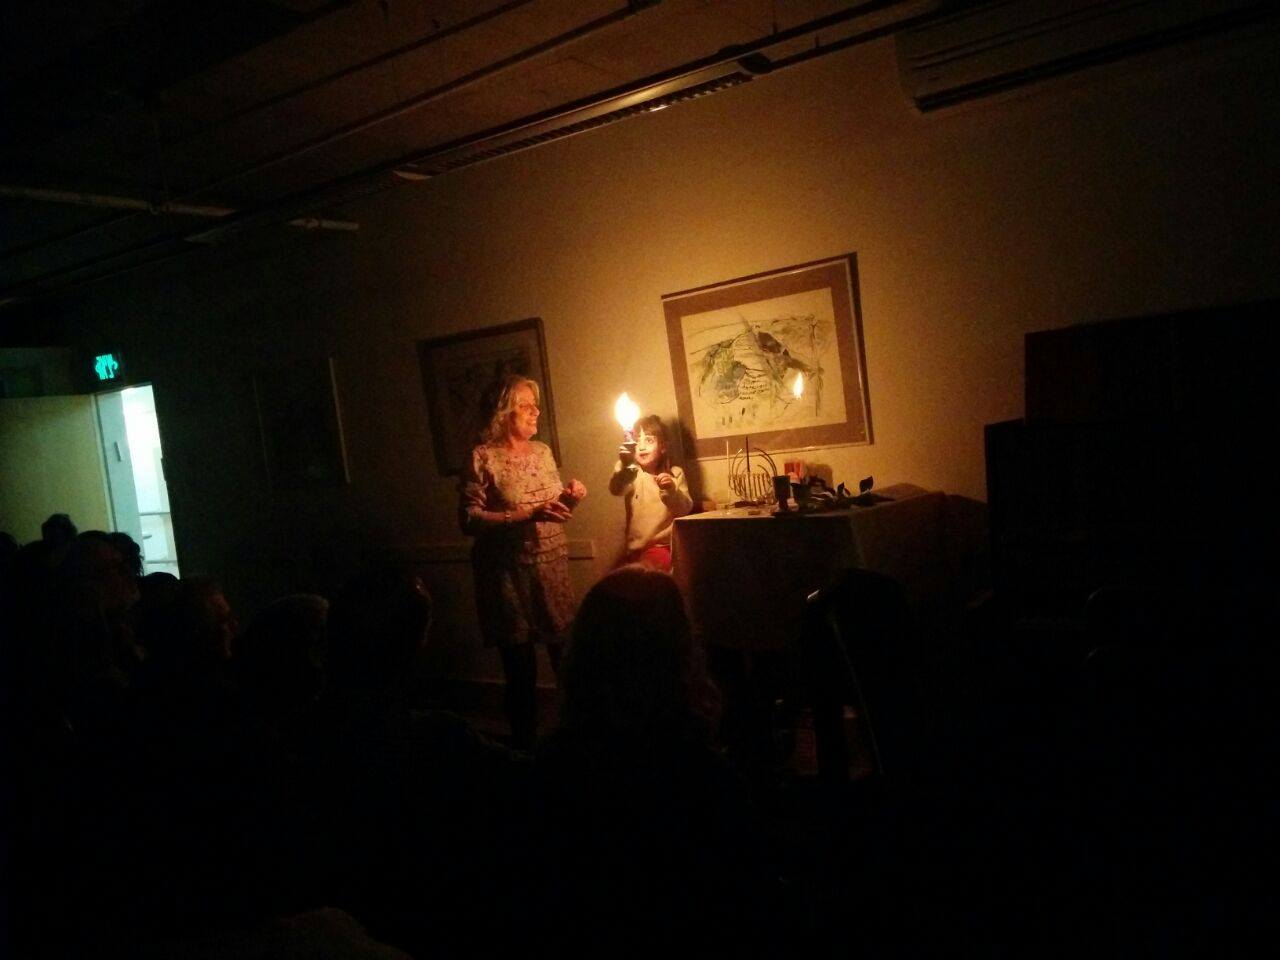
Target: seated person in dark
(649, 836)
(68, 712)
(58, 532)
(207, 810)
(279, 665)
(411, 803)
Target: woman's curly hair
(498, 402)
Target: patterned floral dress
(521, 569)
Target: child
(655, 491)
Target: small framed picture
(457, 369)
(301, 425)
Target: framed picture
(776, 356)
(457, 369)
(301, 425)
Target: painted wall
(35, 372)
(1142, 187)
(52, 463)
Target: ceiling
(140, 129)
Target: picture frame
(456, 369)
(301, 424)
(741, 348)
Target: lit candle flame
(627, 413)
(797, 388)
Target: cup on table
(803, 493)
(782, 492)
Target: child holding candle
(655, 493)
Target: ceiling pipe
(110, 202)
(728, 67)
(382, 176)
(423, 99)
(461, 27)
(367, 64)
(507, 63)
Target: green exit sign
(107, 367)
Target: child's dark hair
(653, 425)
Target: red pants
(656, 555)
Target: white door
(144, 497)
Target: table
(745, 574)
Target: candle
(626, 413)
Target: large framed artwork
(776, 356)
(457, 369)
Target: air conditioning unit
(987, 47)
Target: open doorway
(134, 462)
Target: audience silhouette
(182, 787)
(412, 806)
(650, 836)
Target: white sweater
(650, 509)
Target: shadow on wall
(692, 466)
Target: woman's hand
(576, 489)
(551, 511)
(665, 481)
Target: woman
(515, 507)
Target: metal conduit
(382, 176)
(343, 132)
(457, 28)
(110, 202)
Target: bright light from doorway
(159, 552)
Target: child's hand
(576, 489)
(665, 481)
(627, 454)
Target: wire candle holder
(751, 474)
